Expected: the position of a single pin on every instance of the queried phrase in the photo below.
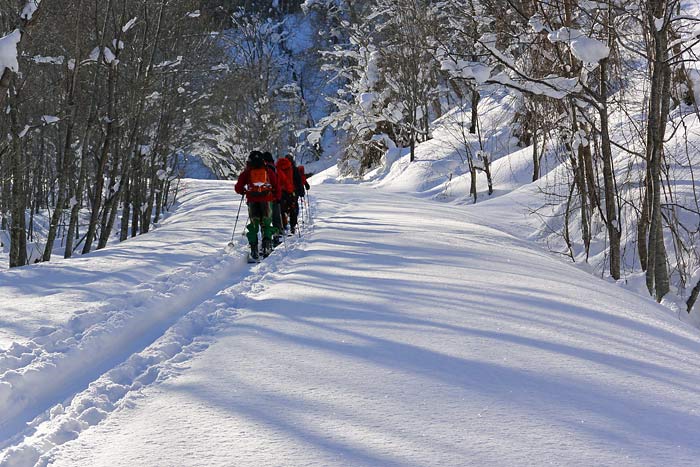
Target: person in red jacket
(285, 172)
(302, 172)
(259, 183)
(277, 225)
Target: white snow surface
(8, 51)
(39, 299)
(396, 332)
(49, 119)
(65, 323)
(29, 9)
(129, 25)
(587, 49)
(440, 172)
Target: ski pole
(300, 224)
(237, 216)
(308, 210)
(303, 214)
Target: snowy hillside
(535, 210)
(396, 332)
(498, 263)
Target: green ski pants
(259, 220)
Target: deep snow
(535, 210)
(37, 300)
(398, 332)
(66, 322)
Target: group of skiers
(272, 191)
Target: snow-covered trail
(71, 321)
(399, 334)
(196, 230)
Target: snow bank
(535, 210)
(404, 333)
(67, 321)
(153, 339)
(441, 169)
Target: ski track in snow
(397, 334)
(401, 335)
(49, 368)
(151, 324)
(162, 359)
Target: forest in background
(110, 94)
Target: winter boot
(276, 240)
(266, 247)
(254, 256)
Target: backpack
(259, 184)
(285, 175)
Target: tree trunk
(102, 161)
(6, 161)
(611, 218)
(64, 176)
(124, 228)
(162, 182)
(535, 157)
(475, 111)
(580, 178)
(77, 199)
(472, 184)
(109, 212)
(137, 199)
(487, 171)
(18, 242)
(591, 181)
(643, 222)
(693, 297)
(657, 270)
(567, 216)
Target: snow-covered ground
(66, 322)
(397, 332)
(536, 210)
(37, 300)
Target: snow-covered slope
(400, 332)
(66, 322)
(121, 275)
(535, 210)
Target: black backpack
(256, 160)
(298, 181)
